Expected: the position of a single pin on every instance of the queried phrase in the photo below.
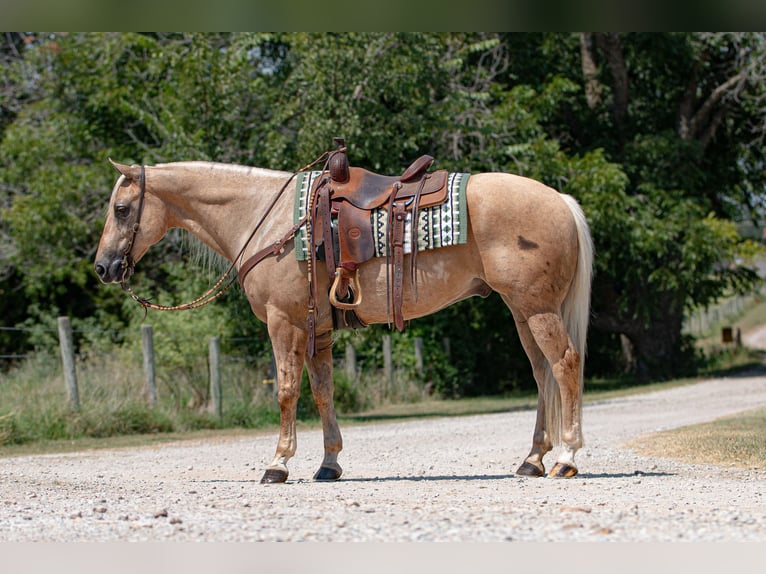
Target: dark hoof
(562, 471)
(327, 473)
(274, 476)
(529, 469)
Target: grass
(737, 440)
(34, 407)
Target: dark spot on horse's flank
(526, 244)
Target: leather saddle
(341, 213)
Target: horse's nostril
(100, 270)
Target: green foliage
(327, 90)
(34, 406)
(660, 140)
(348, 397)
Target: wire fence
(705, 322)
(237, 340)
(700, 323)
(17, 356)
(264, 362)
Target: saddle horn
(338, 162)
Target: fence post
(215, 376)
(419, 355)
(388, 369)
(350, 362)
(447, 347)
(66, 345)
(147, 346)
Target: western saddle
(341, 229)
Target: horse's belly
(443, 277)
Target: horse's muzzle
(112, 270)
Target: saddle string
(216, 290)
(311, 261)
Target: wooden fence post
(66, 345)
(147, 347)
(215, 376)
(350, 362)
(419, 355)
(388, 369)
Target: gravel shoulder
(446, 479)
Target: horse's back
(508, 192)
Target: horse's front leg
(320, 374)
(288, 342)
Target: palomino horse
(526, 241)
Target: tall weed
(34, 404)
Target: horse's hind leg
(320, 374)
(551, 336)
(541, 441)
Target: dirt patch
(736, 440)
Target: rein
(219, 288)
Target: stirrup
(356, 290)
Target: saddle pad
(439, 226)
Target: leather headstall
(128, 261)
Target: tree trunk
(653, 350)
(610, 44)
(658, 349)
(593, 87)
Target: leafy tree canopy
(659, 136)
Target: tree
(679, 113)
(658, 135)
(134, 97)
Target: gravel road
(445, 479)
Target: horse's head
(135, 221)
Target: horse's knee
(287, 395)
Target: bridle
(127, 261)
(220, 287)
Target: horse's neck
(220, 204)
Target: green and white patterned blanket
(439, 226)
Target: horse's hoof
(562, 470)
(529, 469)
(274, 476)
(327, 473)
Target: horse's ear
(129, 171)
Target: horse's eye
(121, 210)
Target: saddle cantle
(344, 201)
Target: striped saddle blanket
(440, 226)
